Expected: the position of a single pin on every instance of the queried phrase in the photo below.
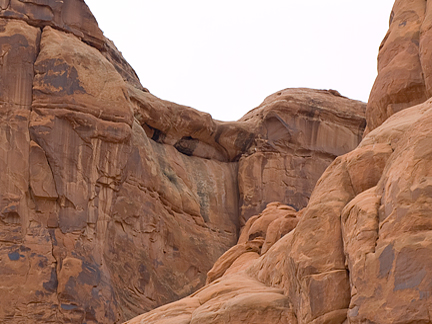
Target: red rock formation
(114, 202)
(361, 249)
(361, 252)
(404, 62)
(299, 132)
(284, 144)
(231, 295)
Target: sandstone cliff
(113, 201)
(360, 251)
(404, 62)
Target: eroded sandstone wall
(404, 62)
(88, 200)
(299, 133)
(113, 201)
(360, 252)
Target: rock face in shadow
(114, 202)
(360, 252)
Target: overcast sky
(224, 57)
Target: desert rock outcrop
(299, 134)
(113, 201)
(404, 62)
(360, 253)
(284, 144)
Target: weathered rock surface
(101, 195)
(404, 62)
(230, 295)
(114, 202)
(360, 253)
(285, 144)
(299, 134)
(72, 16)
(394, 215)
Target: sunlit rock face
(114, 202)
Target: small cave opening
(154, 133)
(186, 145)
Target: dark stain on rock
(39, 293)
(317, 290)
(52, 284)
(170, 175)
(53, 236)
(312, 111)
(71, 219)
(361, 129)
(204, 200)
(43, 263)
(68, 306)
(409, 280)
(61, 76)
(144, 278)
(410, 269)
(90, 274)
(14, 256)
(386, 261)
(16, 40)
(21, 118)
(24, 248)
(219, 132)
(90, 314)
(243, 140)
(70, 291)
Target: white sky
(224, 57)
